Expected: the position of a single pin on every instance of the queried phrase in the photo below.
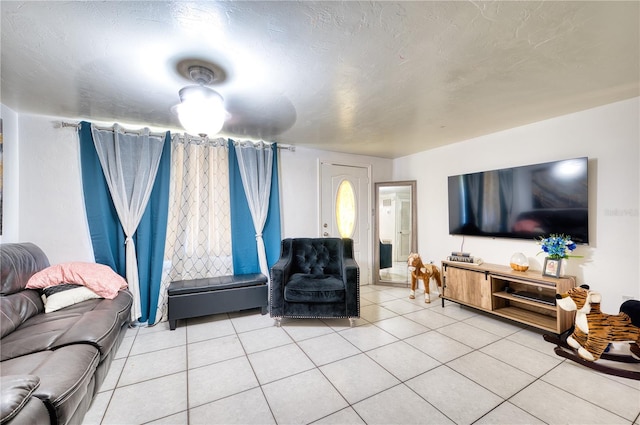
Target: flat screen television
(522, 202)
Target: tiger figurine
(594, 329)
(423, 272)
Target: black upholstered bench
(222, 294)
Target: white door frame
(369, 228)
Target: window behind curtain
(199, 228)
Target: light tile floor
(406, 362)
(398, 272)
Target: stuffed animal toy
(424, 272)
(595, 329)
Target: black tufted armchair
(315, 278)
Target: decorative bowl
(519, 262)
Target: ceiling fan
(201, 110)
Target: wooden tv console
(525, 297)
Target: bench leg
(278, 321)
(172, 325)
(264, 310)
(352, 322)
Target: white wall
(52, 206)
(10, 183)
(51, 201)
(51, 212)
(299, 182)
(608, 135)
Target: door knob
(325, 234)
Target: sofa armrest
(15, 393)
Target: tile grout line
(246, 355)
(368, 353)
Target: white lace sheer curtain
(198, 243)
(130, 163)
(256, 163)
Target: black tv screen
(522, 202)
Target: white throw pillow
(67, 297)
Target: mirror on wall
(395, 233)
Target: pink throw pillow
(99, 278)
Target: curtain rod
(125, 131)
(280, 147)
(66, 124)
(63, 124)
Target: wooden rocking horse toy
(424, 272)
(595, 330)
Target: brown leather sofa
(51, 364)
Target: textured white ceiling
(378, 78)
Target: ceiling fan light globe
(201, 111)
(197, 92)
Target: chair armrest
(351, 279)
(350, 268)
(350, 272)
(386, 250)
(280, 273)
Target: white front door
(345, 210)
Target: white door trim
(369, 229)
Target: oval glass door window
(346, 209)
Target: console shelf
(507, 296)
(525, 297)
